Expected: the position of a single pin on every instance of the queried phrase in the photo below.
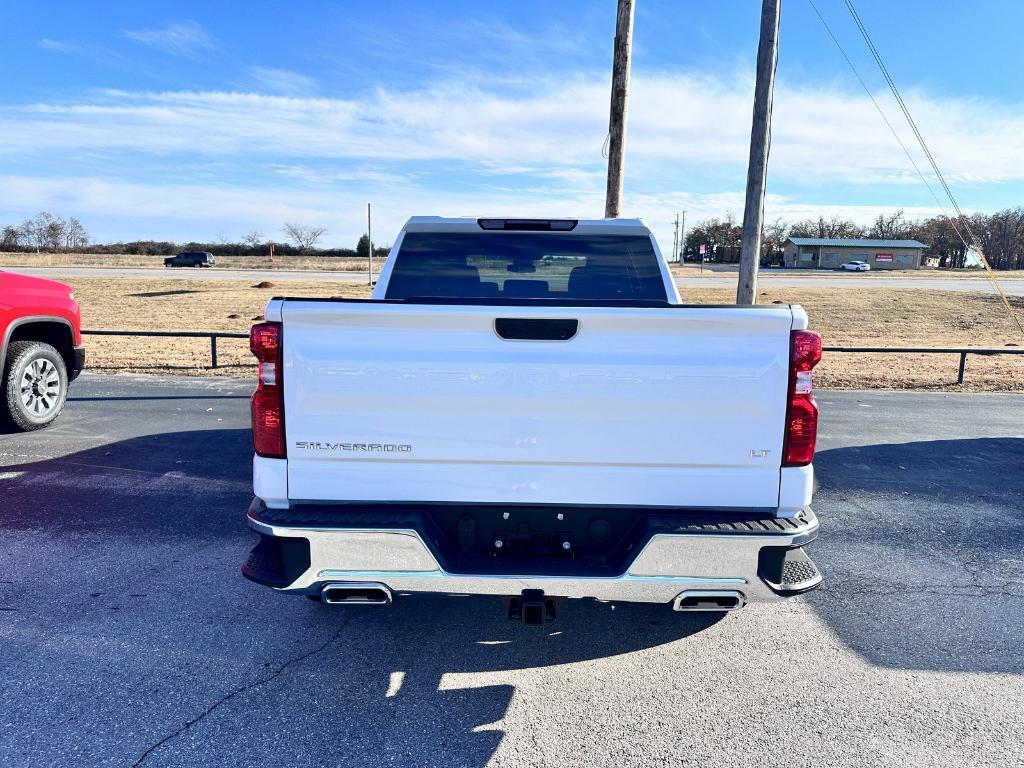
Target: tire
(34, 386)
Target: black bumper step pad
(277, 561)
(788, 570)
(797, 572)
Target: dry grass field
(881, 317)
(174, 304)
(909, 317)
(299, 263)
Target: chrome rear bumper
(667, 565)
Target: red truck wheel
(34, 386)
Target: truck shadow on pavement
(920, 547)
(408, 685)
(122, 598)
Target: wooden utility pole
(682, 238)
(675, 241)
(760, 140)
(369, 237)
(619, 102)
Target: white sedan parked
(856, 266)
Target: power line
(906, 113)
(964, 223)
(931, 159)
(885, 119)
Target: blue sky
(205, 121)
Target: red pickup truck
(40, 349)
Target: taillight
(801, 411)
(268, 399)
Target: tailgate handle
(535, 328)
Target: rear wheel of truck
(35, 384)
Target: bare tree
(1002, 237)
(890, 227)
(75, 235)
(773, 240)
(721, 238)
(44, 231)
(943, 242)
(833, 227)
(53, 231)
(304, 236)
(254, 239)
(11, 238)
(27, 234)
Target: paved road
(1013, 286)
(128, 636)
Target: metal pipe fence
(211, 335)
(963, 352)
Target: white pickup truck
(525, 408)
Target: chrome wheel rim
(40, 387)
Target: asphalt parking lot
(128, 637)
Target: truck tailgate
(676, 406)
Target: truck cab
(41, 349)
(525, 408)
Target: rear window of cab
(526, 265)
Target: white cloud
(88, 50)
(477, 46)
(521, 148)
(283, 81)
(820, 134)
(367, 174)
(60, 47)
(184, 38)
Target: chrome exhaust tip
(709, 600)
(355, 593)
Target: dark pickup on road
(190, 259)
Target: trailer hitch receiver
(532, 608)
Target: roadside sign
(703, 249)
